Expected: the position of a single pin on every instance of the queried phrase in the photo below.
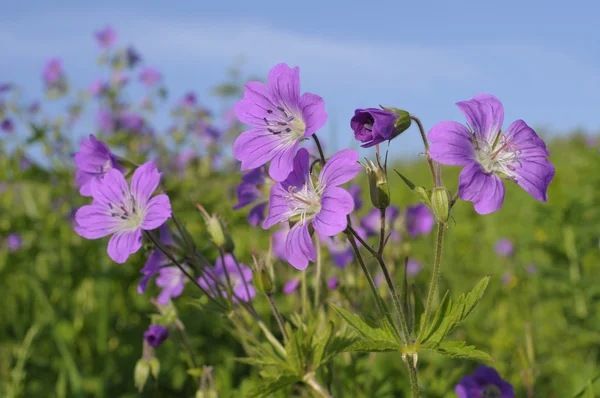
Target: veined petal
(485, 115)
(300, 172)
(111, 189)
(144, 182)
(341, 168)
(94, 222)
(284, 84)
(254, 107)
(257, 214)
(451, 144)
(534, 174)
(313, 113)
(485, 190)
(299, 246)
(283, 161)
(524, 139)
(278, 207)
(124, 243)
(336, 204)
(157, 211)
(256, 147)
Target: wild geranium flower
(155, 261)
(355, 190)
(291, 286)
(280, 118)
(132, 57)
(322, 204)
(253, 190)
(93, 161)
(278, 242)
(156, 335)
(149, 76)
(106, 37)
(53, 71)
(372, 126)
(485, 382)
(371, 223)
(172, 281)
(488, 154)
(14, 242)
(419, 220)
(413, 267)
(123, 211)
(216, 279)
(340, 249)
(333, 283)
(504, 248)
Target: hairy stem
(318, 274)
(321, 154)
(425, 144)
(311, 381)
(381, 232)
(277, 315)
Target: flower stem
(304, 294)
(277, 315)
(311, 381)
(239, 268)
(382, 232)
(425, 143)
(321, 154)
(318, 274)
(412, 374)
(434, 278)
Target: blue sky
(542, 60)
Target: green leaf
(267, 388)
(339, 343)
(293, 349)
(320, 345)
(373, 339)
(458, 349)
(451, 314)
(373, 346)
(588, 388)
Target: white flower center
(128, 212)
(285, 122)
(304, 202)
(497, 156)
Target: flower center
(491, 391)
(282, 121)
(304, 202)
(497, 156)
(128, 211)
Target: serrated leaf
(270, 387)
(339, 343)
(373, 346)
(293, 349)
(374, 339)
(320, 345)
(458, 349)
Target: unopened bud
(260, 274)
(140, 374)
(219, 234)
(440, 204)
(378, 185)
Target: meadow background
(71, 321)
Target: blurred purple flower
(104, 118)
(119, 78)
(53, 71)
(4, 87)
(356, 191)
(372, 126)
(7, 126)
(130, 122)
(504, 248)
(34, 107)
(531, 269)
(207, 131)
(487, 153)
(322, 204)
(333, 283)
(239, 282)
(123, 211)
(291, 286)
(371, 223)
(413, 267)
(93, 160)
(132, 57)
(97, 87)
(156, 335)
(280, 120)
(507, 278)
(106, 37)
(419, 220)
(252, 189)
(339, 249)
(485, 382)
(278, 242)
(188, 101)
(24, 163)
(14, 242)
(152, 267)
(172, 281)
(149, 76)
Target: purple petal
(300, 172)
(291, 286)
(299, 246)
(157, 212)
(253, 107)
(484, 114)
(419, 220)
(283, 161)
(257, 214)
(256, 147)
(111, 189)
(144, 182)
(284, 84)
(313, 113)
(451, 144)
(278, 242)
(247, 193)
(93, 222)
(486, 191)
(172, 282)
(122, 244)
(278, 207)
(336, 204)
(341, 168)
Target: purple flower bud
(156, 335)
(485, 382)
(291, 286)
(106, 37)
(333, 283)
(14, 242)
(504, 248)
(372, 126)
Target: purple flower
(106, 37)
(355, 191)
(132, 57)
(488, 154)
(152, 267)
(7, 126)
(333, 283)
(372, 126)
(504, 248)
(323, 204)
(371, 223)
(413, 267)
(531, 269)
(155, 335)
(130, 121)
(149, 76)
(252, 190)
(104, 118)
(291, 286)
(97, 87)
(280, 118)
(53, 71)
(93, 160)
(5, 87)
(171, 280)
(14, 242)
(278, 242)
(419, 220)
(188, 101)
(340, 250)
(219, 274)
(123, 211)
(485, 382)
(207, 131)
